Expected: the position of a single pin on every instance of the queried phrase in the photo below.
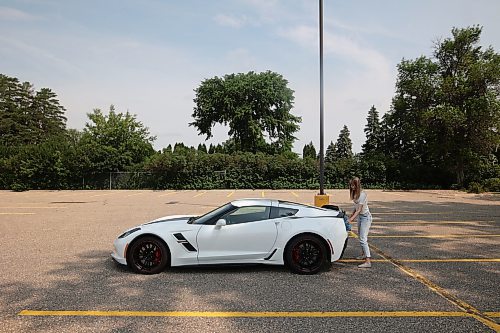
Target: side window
(277, 212)
(247, 214)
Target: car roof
(253, 202)
(267, 202)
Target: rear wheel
(305, 254)
(147, 255)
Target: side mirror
(221, 222)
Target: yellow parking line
(294, 194)
(199, 194)
(428, 260)
(413, 213)
(17, 213)
(52, 207)
(464, 306)
(230, 194)
(493, 314)
(281, 314)
(262, 194)
(169, 193)
(433, 236)
(131, 195)
(99, 195)
(429, 222)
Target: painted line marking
(262, 194)
(230, 195)
(99, 195)
(432, 236)
(438, 222)
(17, 213)
(413, 213)
(131, 195)
(53, 207)
(169, 193)
(428, 260)
(262, 314)
(294, 194)
(467, 308)
(200, 194)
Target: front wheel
(147, 255)
(305, 254)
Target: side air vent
(182, 240)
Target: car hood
(170, 218)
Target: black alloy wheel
(305, 254)
(148, 255)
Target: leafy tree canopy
(116, 140)
(253, 105)
(446, 112)
(28, 116)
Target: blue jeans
(364, 223)
(346, 222)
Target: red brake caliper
(157, 256)
(296, 254)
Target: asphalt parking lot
(436, 268)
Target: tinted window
(277, 212)
(213, 216)
(247, 214)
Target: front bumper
(119, 252)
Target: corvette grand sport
(246, 231)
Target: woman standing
(362, 214)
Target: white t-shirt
(363, 201)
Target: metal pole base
(321, 199)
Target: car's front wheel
(147, 255)
(305, 254)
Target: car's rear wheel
(147, 255)
(305, 254)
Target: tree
(330, 152)
(28, 116)
(116, 141)
(309, 151)
(446, 113)
(202, 148)
(343, 146)
(253, 105)
(373, 132)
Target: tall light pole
(321, 198)
(321, 106)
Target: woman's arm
(355, 214)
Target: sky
(147, 57)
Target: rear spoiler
(335, 207)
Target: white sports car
(247, 231)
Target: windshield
(208, 217)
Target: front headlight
(126, 233)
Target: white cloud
(230, 21)
(11, 14)
(367, 79)
(240, 60)
(43, 55)
(308, 37)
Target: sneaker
(362, 257)
(365, 265)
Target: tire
(148, 255)
(305, 254)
